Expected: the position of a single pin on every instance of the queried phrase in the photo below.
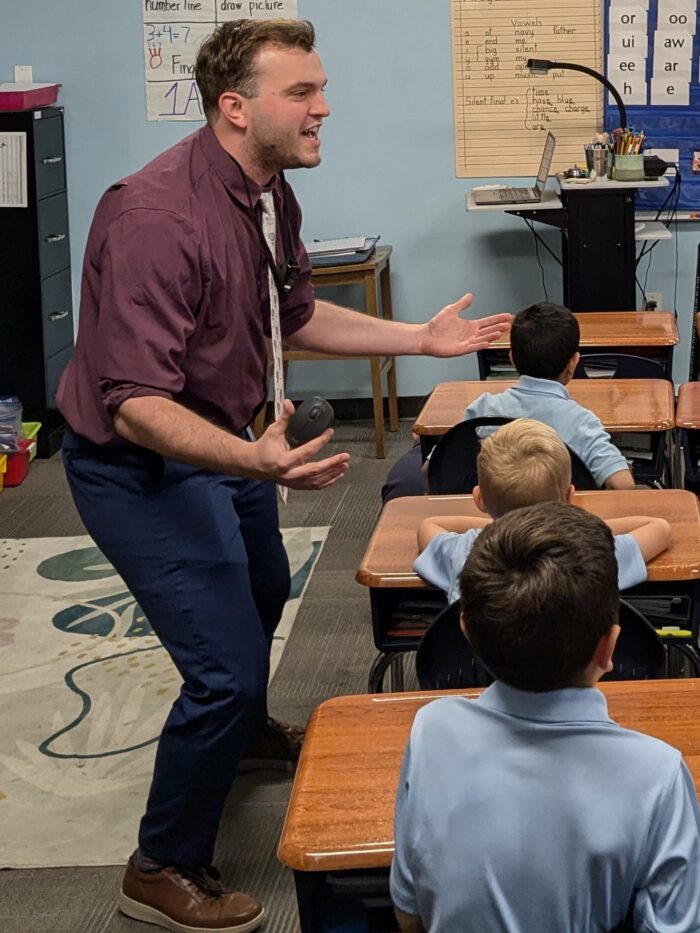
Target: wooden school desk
(340, 815)
(374, 276)
(644, 406)
(402, 605)
(688, 425)
(642, 333)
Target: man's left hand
(448, 334)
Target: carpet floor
(328, 654)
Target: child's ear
(463, 625)
(570, 494)
(605, 648)
(510, 357)
(573, 363)
(478, 499)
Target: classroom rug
(85, 687)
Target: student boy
(529, 809)
(522, 463)
(544, 340)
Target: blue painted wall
(388, 164)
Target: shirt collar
(547, 386)
(230, 174)
(572, 704)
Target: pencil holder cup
(597, 159)
(628, 167)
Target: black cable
(537, 254)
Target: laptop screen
(546, 163)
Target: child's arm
(623, 479)
(437, 524)
(653, 535)
(408, 923)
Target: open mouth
(312, 132)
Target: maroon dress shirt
(174, 299)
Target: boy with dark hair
(529, 809)
(544, 340)
(523, 463)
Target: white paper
(676, 16)
(643, 4)
(626, 65)
(631, 88)
(669, 64)
(632, 41)
(13, 170)
(627, 17)
(670, 92)
(173, 31)
(673, 41)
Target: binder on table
(341, 252)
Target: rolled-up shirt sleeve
(152, 281)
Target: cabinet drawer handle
(54, 237)
(51, 160)
(57, 315)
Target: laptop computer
(522, 195)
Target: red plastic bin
(18, 463)
(27, 98)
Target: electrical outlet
(23, 73)
(654, 301)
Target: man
(169, 371)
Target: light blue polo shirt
(549, 401)
(536, 813)
(443, 559)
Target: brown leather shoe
(187, 902)
(278, 747)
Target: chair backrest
(444, 659)
(639, 653)
(619, 366)
(452, 466)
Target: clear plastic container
(10, 415)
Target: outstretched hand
(273, 460)
(448, 334)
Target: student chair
(452, 466)
(445, 660)
(619, 366)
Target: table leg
(388, 313)
(372, 308)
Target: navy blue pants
(203, 556)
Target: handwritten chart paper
(173, 30)
(502, 112)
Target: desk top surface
(340, 814)
(620, 329)
(375, 263)
(388, 560)
(621, 404)
(688, 409)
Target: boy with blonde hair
(523, 463)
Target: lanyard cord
(287, 276)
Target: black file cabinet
(36, 306)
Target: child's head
(539, 597)
(544, 341)
(522, 463)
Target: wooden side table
(374, 275)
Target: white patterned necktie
(270, 233)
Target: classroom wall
(388, 163)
